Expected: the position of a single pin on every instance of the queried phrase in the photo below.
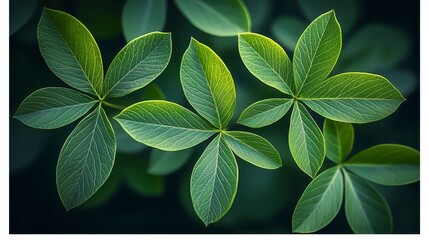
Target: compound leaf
(267, 61)
(216, 17)
(387, 164)
(70, 51)
(143, 16)
(317, 50)
(253, 149)
(319, 203)
(86, 159)
(306, 141)
(163, 163)
(265, 112)
(214, 181)
(208, 84)
(339, 139)
(366, 210)
(137, 64)
(164, 125)
(353, 97)
(53, 107)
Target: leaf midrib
(174, 127)
(56, 108)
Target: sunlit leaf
(53, 107)
(86, 159)
(339, 139)
(387, 164)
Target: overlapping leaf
(137, 64)
(339, 139)
(164, 125)
(267, 61)
(353, 97)
(86, 159)
(253, 149)
(306, 141)
(387, 164)
(366, 209)
(214, 181)
(319, 203)
(70, 51)
(216, 17)
(208, 84)
(53, 107)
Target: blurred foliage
(164, 206)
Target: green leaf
(306, 141)
(265, 112)
(137, 64)
(143, 16)
(70, 51)
(387, 164)
(353, 97)
(320, 202)
(253, 149)
(216, 17)
(164, 125)
(164, 163)
(53, 107)
(287, 31)
(317, 50)
(347, 11)
(339, 139)
(214, 181)
(208, 84)
(137, 178)
(267, 61)
(86, 159)
(366, 209)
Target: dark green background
(265, 199)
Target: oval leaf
(387, 164)
(164, 125)
(137, 64)
(317, 50)
(214, 181)
(53, 107)
(164, 163)
(216, 17)
(265, 112)
(320, 202)
(253, 149)
(287, 31)
(366, 209)
(267, 61)
(70, 51)
(143, 16)
(353, 97)
(306, 141)
(339, 139)
(208, 84)
(86, 159)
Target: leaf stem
(115, 106)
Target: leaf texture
(267, 61)
(353, 97)
(339, 139)
(53, 107)
(253, 149)
(70, 51)
(137, 64)
(208, 84)
(306, 141)
(164, 125)
(265, 112)
(86, 159)
(320, 202)
(387, 164)
(214, 181)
